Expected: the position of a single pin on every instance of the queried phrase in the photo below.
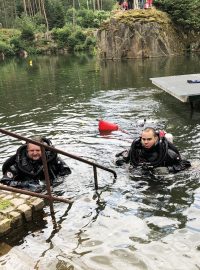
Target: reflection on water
(140, 221)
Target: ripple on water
(136, 222)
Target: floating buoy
(168, 136)
(107, 126)
(162, 133)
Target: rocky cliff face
(140, 34)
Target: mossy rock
(4, 204)
(139, 15)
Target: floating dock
(179, 87)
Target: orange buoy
(107, 126)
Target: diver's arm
(10, 177)
(175, 162)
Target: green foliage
(4, 204)
(38, 19)
(30, 24)
(90, 43)
(86, 18)
(73, 38)
(28, 33)
(72, 42)
(67, 24)
(183, 12)
(55, 14)
(70, 14)
(17, 43)
(102, 15)
(23, 22)
(80, 35)
(107, 5)
(39, 23)
(6, 35)
(6, 48)
(61, 34)
(27, 27)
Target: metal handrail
(53, 149)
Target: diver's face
(148, 139)
(34, 151)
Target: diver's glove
(184, 164)
(120, 161)
(35, 188)
(63, 168)
(122, 158)
(147, 166)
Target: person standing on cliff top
(130, 4)
(125, 5)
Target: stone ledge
(22, 210)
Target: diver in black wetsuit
(25, 169)
(150, 151)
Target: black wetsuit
(163, 154)
(22, 172)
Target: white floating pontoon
(186, 88)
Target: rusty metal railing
(46, 173)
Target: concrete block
(26, 210)
(8, 197)
(16, 219)
(2, 195)
(5, 225)
(24, 196)
(38, 204)
(17, 201)
(7, 210)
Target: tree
(184, 12)
(54, 13)
(7, 12)
(45, 16)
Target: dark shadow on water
(183, 111)
(16, 236)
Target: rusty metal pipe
(47, 179)
(95, 177)
(46, 172)
(39, 195)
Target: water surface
(135, 222)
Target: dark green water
(132, 223)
